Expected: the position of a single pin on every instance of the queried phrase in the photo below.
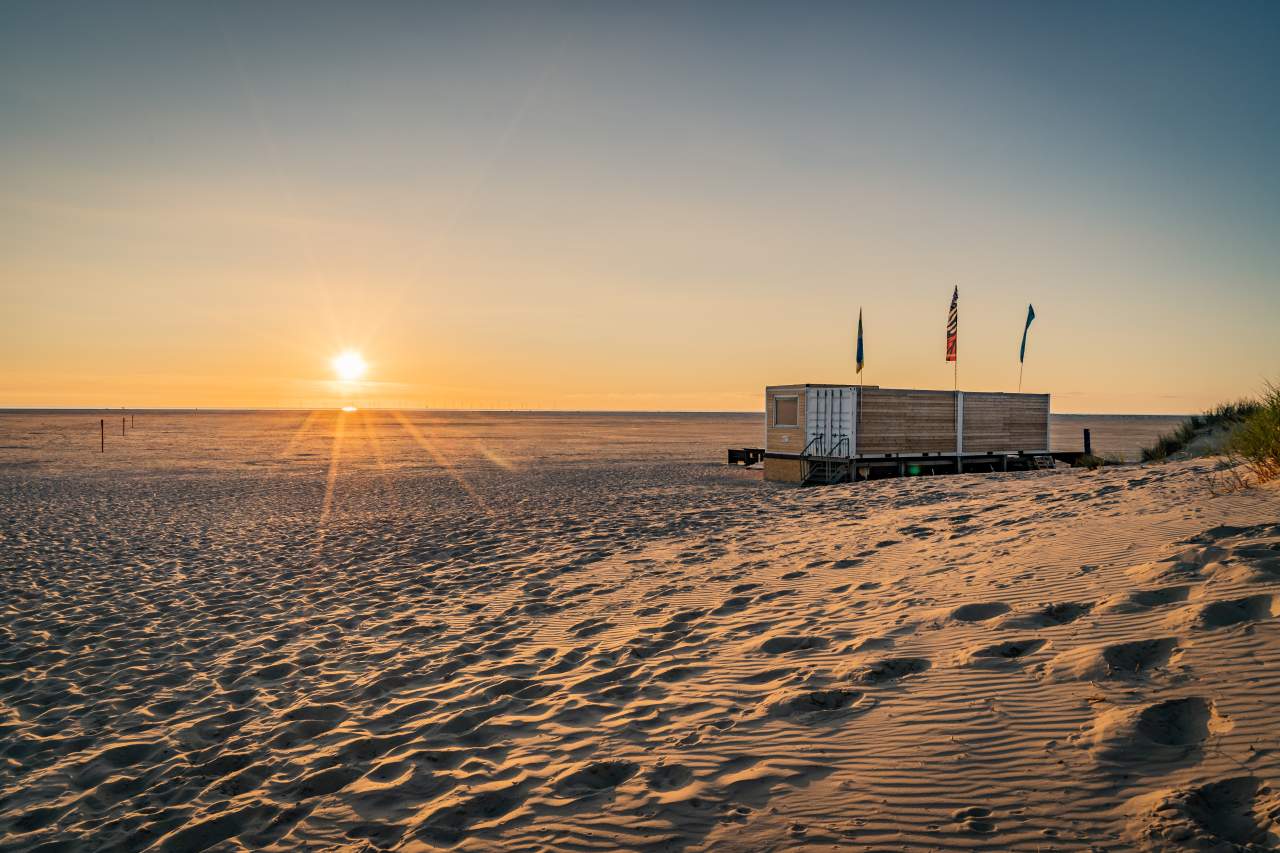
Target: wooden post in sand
(1088, 444)
(122, 424)
(102, 435)
(130, 421)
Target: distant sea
(63, 440)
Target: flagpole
(1020, 365)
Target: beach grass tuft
(1255, 441)
(1250, 437)
(1225, 416)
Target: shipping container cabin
(818, 433)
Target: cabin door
(829, 421)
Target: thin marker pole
(130, 421)
(102, 435)
(1020, 366)
(122, 425)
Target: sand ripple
(640, 656)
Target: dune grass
(1256, 441)
(1225, 415)
(1251, 441)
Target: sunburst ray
(425, 443)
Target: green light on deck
(913, 470)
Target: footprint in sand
(1169, 730)
(890, 669)
(448, 825)
(1147, 599)
(1119, 660)
(669, 777)
(1240, 813)
(979, 612)
(732, 605)
(1006, 652)
(324, 782)
(815, 705)
(875, 644)
(1138, 656)
(1177, 722)
(595, 778)
(976, 819)
(1223, 614)
(590, 627)
(1050, 615)
(784, 643)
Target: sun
(349, 365)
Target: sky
(646, 205)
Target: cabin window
(786, 411)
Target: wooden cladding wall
(896, 420)
(994, 421)
(902, 421)
(784, 470)
(784, 439)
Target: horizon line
(339, 409)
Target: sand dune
(250, 651)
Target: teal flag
(1022, 352)
(860, 360)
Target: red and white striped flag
(953, 324)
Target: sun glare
(349, 365)
(349, 409)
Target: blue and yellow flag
(1022, 352)
(860, 360)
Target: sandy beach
(434, 631)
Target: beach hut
(816, 433)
